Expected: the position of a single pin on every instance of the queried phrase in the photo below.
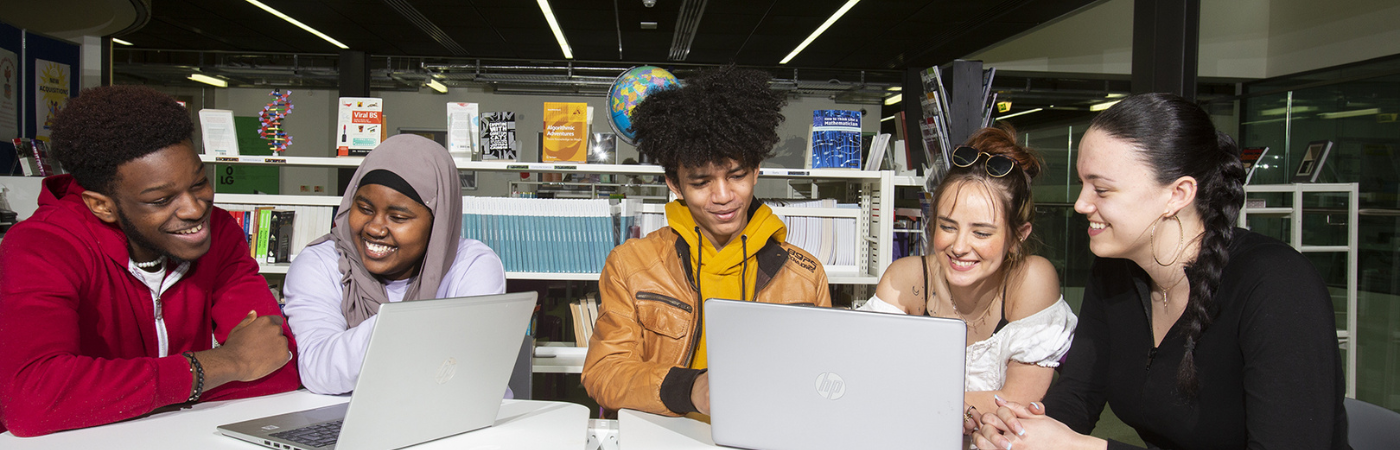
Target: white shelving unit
(873, 250)
(1345, 338)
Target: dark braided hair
(719, 114)
(107, 126)
(1176, 138)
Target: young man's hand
(259, 347)
(700, 393)
(255, 348)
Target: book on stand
(835, 139)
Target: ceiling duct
(409, 12)
(687, 24)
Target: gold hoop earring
(1180, 241)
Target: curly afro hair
(107, 126)
(717, 115)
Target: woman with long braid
(1199, 334)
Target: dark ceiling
(873, 35)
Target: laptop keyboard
(318, 435)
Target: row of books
(548, 235)
(832, 240)
(585, 313)
(276, 234)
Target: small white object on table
(520, 424)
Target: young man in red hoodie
(127, 290)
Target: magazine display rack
(1295, 212)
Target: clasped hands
(1020, 427)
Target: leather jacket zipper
(664, 299)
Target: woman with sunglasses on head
(397, 237)
(1200, 335)
(979, 270)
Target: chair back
(1370, 426)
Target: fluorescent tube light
(1022, 113)
(208, 80)
(1345, 114)
(437, 86)
(896, 98)
(554, 26)
(894, 88)
(1284, 110)
(820, 29)
(298, 24)
(119, 41)
(1103, 106)
(889, 118)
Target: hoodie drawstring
(699, 261)
(743, 273)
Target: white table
(640, 430)
(521, 424)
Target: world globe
(631, 88)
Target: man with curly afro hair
(115, 294)
(648, 347)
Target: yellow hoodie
(731, 272)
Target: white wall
(1239, 38)
(312, 124)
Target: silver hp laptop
(434, 368)
(799, 377)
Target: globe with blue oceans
(631, 88)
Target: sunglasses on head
(997, 165)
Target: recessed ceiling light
(303, 26)
(1103, 106)
(648, 25)
(820, 29)
(436, 86)
(554, 26)
(1022, 113)
(202, 78)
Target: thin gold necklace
(1165, 290)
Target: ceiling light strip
(687, 25)
(119, 41)
(1022, 113)
(840, 12)
(208, 80)
(423, 23)
(554, 26)
(303, 26)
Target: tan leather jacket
(648, 323)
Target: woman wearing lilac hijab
(396, 237)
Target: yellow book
(565, 132)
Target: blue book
(835, 139)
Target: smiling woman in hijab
(396, 237)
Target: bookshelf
(874, 218)
(1295, 214)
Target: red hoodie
(78, 332)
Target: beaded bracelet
(198, 371)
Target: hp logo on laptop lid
(830, 385)
(446, 371)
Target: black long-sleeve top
(1269, 369)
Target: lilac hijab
(426, 167)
